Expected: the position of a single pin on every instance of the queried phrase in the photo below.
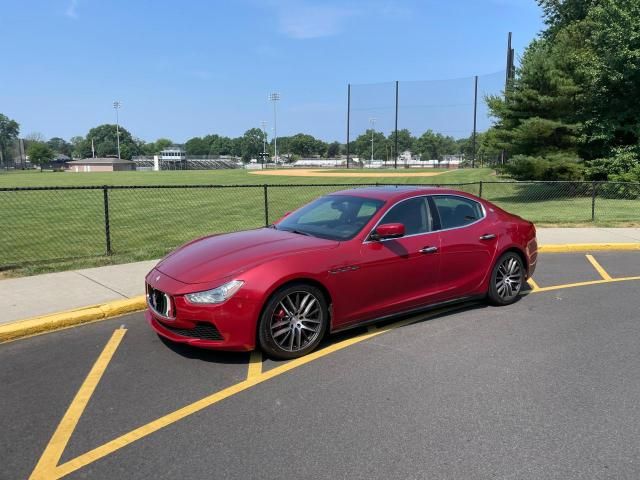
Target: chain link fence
(39, 225)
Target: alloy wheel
(509, 278)
(296, 321)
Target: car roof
(395, 192)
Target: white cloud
(303, 21)
(72, 9)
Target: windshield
(334, 217)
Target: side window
(413, 214)
(456, 211)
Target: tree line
(102, 140)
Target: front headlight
(217, 295)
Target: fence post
(594, 190)
(480, 190)
(107, 227)
(266, 206)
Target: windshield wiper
(300, 232)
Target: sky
(193, 67)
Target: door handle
(488, 236)
(428, 250)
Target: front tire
(293, 322)
(507, 279)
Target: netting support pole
(107, 227)
(266, 205)
(348, 119)
(395, 162)
(480, 189)
(475, 120)
(594, 192)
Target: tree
(154, 148)
(39, 153)
(362, 146)
(406, 141)
(333, 149)
(251, 143)
(433, 146)
(196, 146)
(60, 146)
(105, 142)
(577, 91)
(78, 146)
(305, 145)
(9, 130)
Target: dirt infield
(309, 172)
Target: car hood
(219, 256)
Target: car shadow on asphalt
(215, 356)
(423, 317)
(204, 355)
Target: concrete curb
(588, 247)
(56, 321)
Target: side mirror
(388, 230)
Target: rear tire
(507, 279)
(293, 322)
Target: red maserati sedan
(345, 259)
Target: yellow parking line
(532, 283)
(46, 467)
(145, 430)
(603, 273)
(584, 284)
(255, 364)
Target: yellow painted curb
(56, 321)
(588, 247)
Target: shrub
(623, 166)
(556, 166)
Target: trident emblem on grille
(157, 278)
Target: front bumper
(230, 325)
(243, 341)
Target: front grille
(160, 302)
(203, 331)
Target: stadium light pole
(116, 106)
(263, 124)
(372, 121)
(274, 97)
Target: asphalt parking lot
(545, 388)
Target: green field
(60, 229)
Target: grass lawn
(60, 229)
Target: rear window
(456, 211)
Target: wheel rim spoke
(296, 321)
(508, 278)
(286, 310)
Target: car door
(398, 274)
(467, 244)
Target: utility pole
(116, 106)
(475, 118)
(348, 119)
(274, 97)
(372, 121)
(263, 124)
(396, 127)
